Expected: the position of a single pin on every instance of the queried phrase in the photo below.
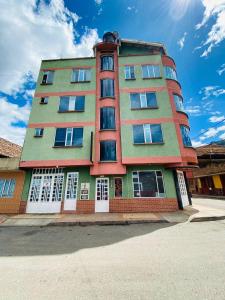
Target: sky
(193, 32)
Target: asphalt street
(145, 261)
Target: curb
(106, 223)
(205, 219)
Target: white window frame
(69, 131)
(47, 73)
(147, 133)
(81, 74)
(153, 71)
(125, 73)
(139, 184)
(77, 184)
(72, 103)
(143, 100)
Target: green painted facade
(37, 149)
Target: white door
(45, 193)
(70, 201)
(102, 195)
(183, 189)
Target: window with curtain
(129, 72)
(81, 75)
(185, 132)
(147, 134)
(107, 88)
(71, 103)
(143, 100)
(179, 103)
(48, 77)
(170, 73)
(148, 184)
(69, 137)
(151, 71)
(107, 118)
(107, 63)
(108, 150)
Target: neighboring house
(108, 133)
(209, 179)
(11, 178)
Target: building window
(7, 187)
(143, 100)
(170, 73)
(69, 137)
(107, 88)
(44, 100)
(151, 71)
(185, 132)
(81, 75)
(148, 184)
(179, 103)
(147, 134)
(118, 187)
(108, 151)
(107, 118)
(71, 103)
(107, 63)
(48, 77)
(129, 72)
(38, 132)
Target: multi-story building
(108, 133)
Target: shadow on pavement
(29, 241)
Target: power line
(216, 125)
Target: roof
(210, 149)
(143, 43)
(9, 149)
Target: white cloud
(197, 143)
(221, 70)
(31, 33)
(210, 91)
(216, 34)
(182, 41)
(222, 136)
(215, 119)
(193, 110)
(99, 2)
(212, 132)
(10, 114)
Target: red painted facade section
(151, 159)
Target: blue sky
(193, 32)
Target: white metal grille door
(45, 192)
(71, 191)
(183, 189)
(102, 195)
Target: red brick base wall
(83, 207)
(23, 205)
(143, 205)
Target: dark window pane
(138, 134)
(108, 150)
(64, 104)
(77, 137)
(107, 63)
(118, 187)
(80, 100)
(156, 133)
(160, 185)
(60, 137)
(107, 118)
(148, 184)
(107, 88)
(87, 75)
(75, 75)
(151, 99)
(179, 103)
(135, 100)
(185, 136)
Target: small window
(48, 77)
(179, 103)
(69, 137)
(107, 118)
(44, 100)
(147, 134)
(38, 132)
(107, 63)
(118, 187)
(7, 187)
(107, 88)
(81, 75)
(71, 103)
(129, 72)
(151, 71)
(147, 184)
(143, 100)
(108, 150)
(170, 73)
(185, 132)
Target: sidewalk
(195, 213)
